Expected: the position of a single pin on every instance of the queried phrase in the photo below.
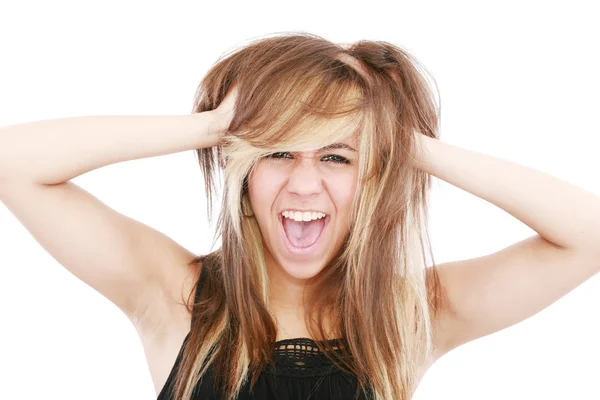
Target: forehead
(349, 141)
(348, 145)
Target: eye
(336, 159)
(280, 154)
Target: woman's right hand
(216, 122)
(223, 114)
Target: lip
(301, 250)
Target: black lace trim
(300, 357)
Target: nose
(305, 178)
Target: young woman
(321, 287)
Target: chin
(302, 271)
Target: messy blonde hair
(298, 92)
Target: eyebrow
(336, 146)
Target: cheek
(342, 192)
(263, 187)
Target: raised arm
(54, 151)
(489, 293)
(128, 262)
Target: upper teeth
(303, 216)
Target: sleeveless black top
(301, 372)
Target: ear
(247, 206)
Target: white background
(518, 80)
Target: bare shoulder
(165, 324)
(439, 313)
(135, 266)
(489, 293)
(168, 313)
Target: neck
(286, 303)
(286, 292)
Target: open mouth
(301, 237)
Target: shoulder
(171, 306)
(439, 313)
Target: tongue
(303, 233)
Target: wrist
(419, 155)
(210, 128)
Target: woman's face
(318, 186)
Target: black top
(301, 372)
